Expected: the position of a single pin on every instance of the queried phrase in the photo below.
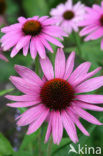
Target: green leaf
(5, 146)
(28, 139)
(35, 7)
(90, 52)
(64, 142)
(8, 68)
(3, 92)
(84, 139)
(22, 110)
(22, 153)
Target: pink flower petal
(33, 49)
(46, 44)
(69, 126)
(43, 18)
(23, 42)
(25, 86)
(95, 35)
(69, 65)
(30, 115)
(79, 71)
(90, 85)
(53, 40)
(11, 28)
(85, 77)
(2, 57)
(57, 127)
(40, 48)
(86, 116)
(88, 106)
(28, 74)
(88, 29)
(21, 98)
(37, 123)
(95, 99)
(23, 104)
(49, 130)
(25, 49)
(77, 122)
(47, 68)
(14, 52)
(60, 64)
(21, 19)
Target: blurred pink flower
(2, 57)
(34, 32)
(93, 23)
(68, 15)
(57, 98)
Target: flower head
(68, 15)
(33, 32)
(2, 57)
(57, 98)
(93, 23)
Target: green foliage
(3, 92)
(35, 7)
(5, 147)
(22, 153)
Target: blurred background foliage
(13, 138)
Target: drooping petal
(30, 115)
(25, 49)
(49, 130)
(86, 116)
(88, 106)
(46, 44)
(40, 48)
(33, 49)
(57, 128)
(69, 126)
(38, 122)
(77, 122)
(53, 40)
(22, 42)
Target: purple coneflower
(57, 98)
(33, 33)
(93, 23)
(68, 15)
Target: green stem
(39, 144)
(37, 65)
(49, 147)
(78, 42)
